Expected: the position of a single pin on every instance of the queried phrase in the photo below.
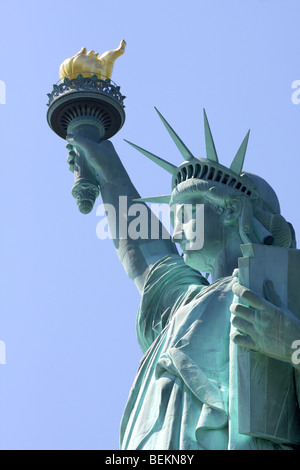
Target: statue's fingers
(243, 326)
(71, 157)
(82, 142)
(251, 298)
(243, 340)
(235, 273)
(242, 311)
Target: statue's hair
(260, 220)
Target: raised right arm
(136, 255)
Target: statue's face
(199, 230)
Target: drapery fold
(180, 396)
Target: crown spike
(185, 152)
(238, 161)
(159, 161)
(211, 153)
(156, 199)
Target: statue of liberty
(220, 370)
(183, 394)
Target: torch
(88, 103)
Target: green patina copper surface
(208, 379)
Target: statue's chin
(196, 262)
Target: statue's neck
(227, 259)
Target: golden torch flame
(88, 63)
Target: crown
(207, 169)
(264, 224)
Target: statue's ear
(232, 211)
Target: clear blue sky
(67, 308)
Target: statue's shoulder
(172, 266)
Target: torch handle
(85, 189)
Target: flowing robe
(180, 396)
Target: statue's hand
(264, 324)
(71, 157)
(101, 157)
